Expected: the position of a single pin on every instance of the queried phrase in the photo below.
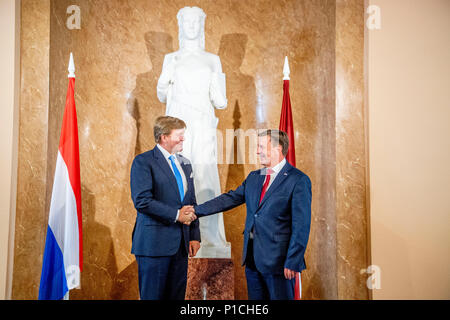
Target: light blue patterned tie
(178, 177)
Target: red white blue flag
(63, 259)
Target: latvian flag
(287, 125)
(62, 261)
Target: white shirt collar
(277, 168)
(165, 153)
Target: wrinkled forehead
(177, 132)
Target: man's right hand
(187, 215)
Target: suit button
(256, 216)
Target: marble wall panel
(118, 56)
(31, 216)
(352, 219)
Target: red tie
(266, 184)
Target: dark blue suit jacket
(281, 222)
(156, 198)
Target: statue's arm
(165, 78)
(217, 90)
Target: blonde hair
(164, 126)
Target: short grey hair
(277, 137)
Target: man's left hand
(194, 245)
(289, 274)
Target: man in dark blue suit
(165, 232)
(278, 200)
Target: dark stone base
(213, 274)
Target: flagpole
(71, 74)
(286, 70)
(71, 67)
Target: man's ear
(280, 149)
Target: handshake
(187, 215)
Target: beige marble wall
(352, 219)
(118, 55)
(31, 216)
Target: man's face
(267, 153)
(264, 150)
(191, 25)
(174, 141)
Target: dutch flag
(63, 257)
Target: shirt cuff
(178, 213)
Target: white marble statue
(192, 84)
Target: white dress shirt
(276, 169)
(166, 155)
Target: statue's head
(191, 25)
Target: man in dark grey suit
(166, 232)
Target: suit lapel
(284, 172)
(187, 169)
(162, 162)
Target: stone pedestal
(210, 279)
